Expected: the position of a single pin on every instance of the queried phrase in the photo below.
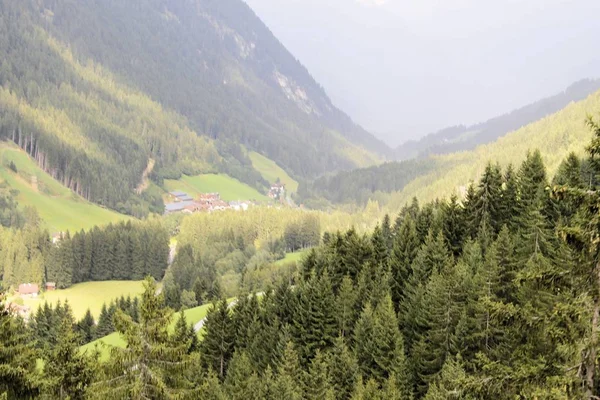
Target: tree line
(123, 251)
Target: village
(182, 202)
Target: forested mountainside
(494, 297)
(187, 84)
(461, 137)
(436, 176)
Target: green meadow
(229, 188)
(86, 295)
(271, 171)
(60, 208)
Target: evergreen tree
(68, 373)
(151, 366)
(287, 385)
(242, 382)
(316, 382)
(217, 346)
(406, 247)
(18, 378)
(343, 370)
(87, 327)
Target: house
(21, 311)
(177, 207)
(238, 205)
(178, 196)
(29, 290)
(277, 191)
(50, 286)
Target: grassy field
(271, 171)
(88, 295)
(291, 257)
(60, 208)
(230, 189)
(193, 316)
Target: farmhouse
(29, 290)
(21, 311)
(178, 196)
(50, 286)
(277, 191)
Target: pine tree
(405, 249)
(314, 323)
(242, 382)
(87, 327)
(453, 225)
(316, 382)
(151, 366)
(217, 346)
(343, 370)
(68, 373)
(18, 378)
(287, 384)
(346, 306)
(185, 334)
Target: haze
(405, 68)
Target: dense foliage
(361, 185)
(125, 251)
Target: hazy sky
(404, 68)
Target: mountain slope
(93, 90)
(555, 136)
(435, 176)
(458, 138)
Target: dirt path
(145, 181)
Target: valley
(184, 213)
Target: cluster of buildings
(27, 290)
(182, 202)
(277, 191)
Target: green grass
(60, 208)
(88, 295)
(230, 189)
(291, 257)
(271, 171)
(193, 316)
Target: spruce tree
(18, 377)
(242, 382)
(68, 373)
(342, 368)
(87, 327)
(217, 345)
(288, 383)
(404, 251)
(151, 366)
(316, 382)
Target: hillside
(461, 137)
(229, 188)
(435, 176)
(190, 85)
(60, 208)
(555, 136)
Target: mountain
(96, 91)
(461, 137)
(439, 175)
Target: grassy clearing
(193, 316)
(292, 257)
(230, 189)
(60, 208)
(88, 295)
(271, 171)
